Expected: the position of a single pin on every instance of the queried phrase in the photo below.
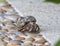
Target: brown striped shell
(27, 24)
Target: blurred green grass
(2, 1)
(57, 43)
(54, 1)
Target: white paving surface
(47, 15)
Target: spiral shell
(27, 23)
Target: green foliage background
(2, 0)
(54, 1)
(57, 43)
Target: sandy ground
(46, 14)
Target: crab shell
(27, 23)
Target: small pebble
(7, 39)
(2, 43)
(29, 39)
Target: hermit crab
(27, 23)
